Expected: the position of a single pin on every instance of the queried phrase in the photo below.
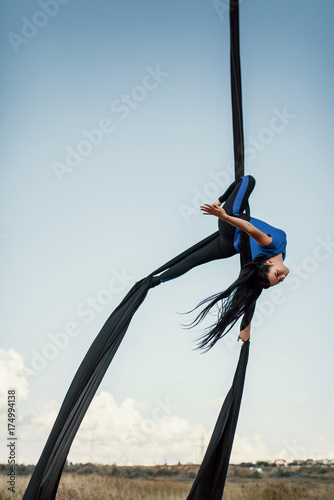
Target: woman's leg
(219, 248)
(227, 193)
(211, 251)
(235, 205)
(237, 201)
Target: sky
(116, 127)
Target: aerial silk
(210, 480)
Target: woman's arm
(245, 326)
(260, 237)
(244, 335)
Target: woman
(268, 249)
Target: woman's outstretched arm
(260, 237)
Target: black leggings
(221, 247)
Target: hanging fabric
(210, 480)
(45, 478)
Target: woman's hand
(244, 335)
(214, 210)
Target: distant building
(280, 462)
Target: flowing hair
(234, 302)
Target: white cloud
(44, 416)
(123, 434)
(292, 452)
(130, 433)
(247, 449)
(13, 375)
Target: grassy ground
(97, 487)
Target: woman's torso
(276, 247)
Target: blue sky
(75, 236)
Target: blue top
(277, 246)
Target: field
(91, 482)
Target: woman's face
(277, 272)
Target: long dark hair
(234, 301)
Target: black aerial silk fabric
(236, 95)
(210, 480)
(44, 481)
